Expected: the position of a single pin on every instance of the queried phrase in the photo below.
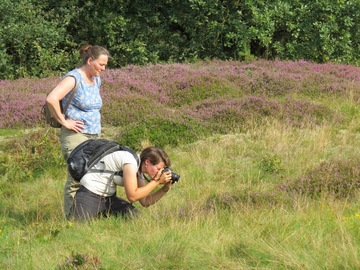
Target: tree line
(40, 38)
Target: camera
(174, 176)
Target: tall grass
(225, 213)
(262, 197)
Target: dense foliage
(39, 38)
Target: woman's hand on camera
(163, 177)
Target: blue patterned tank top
(86, 104)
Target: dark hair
(94, 52)
(155, 155)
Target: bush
(161, 132)
(27, 159)
(340, 179)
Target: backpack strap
(95, 159)
(106, 150)
(72, 96)
(77, 83)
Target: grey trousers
(88, 205)
(69, 140)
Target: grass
(262, 197)
(183, 231)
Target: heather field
(268, 153)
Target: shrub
(340, 179)
(80, 261)
(241, 199)
(33, 155)
(161, 132)
(301, 112)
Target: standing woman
(82, 119)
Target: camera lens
(175, 177)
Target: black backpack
(89, 152)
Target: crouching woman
(97, 193)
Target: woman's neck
(87, 75)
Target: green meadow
(269, 158)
